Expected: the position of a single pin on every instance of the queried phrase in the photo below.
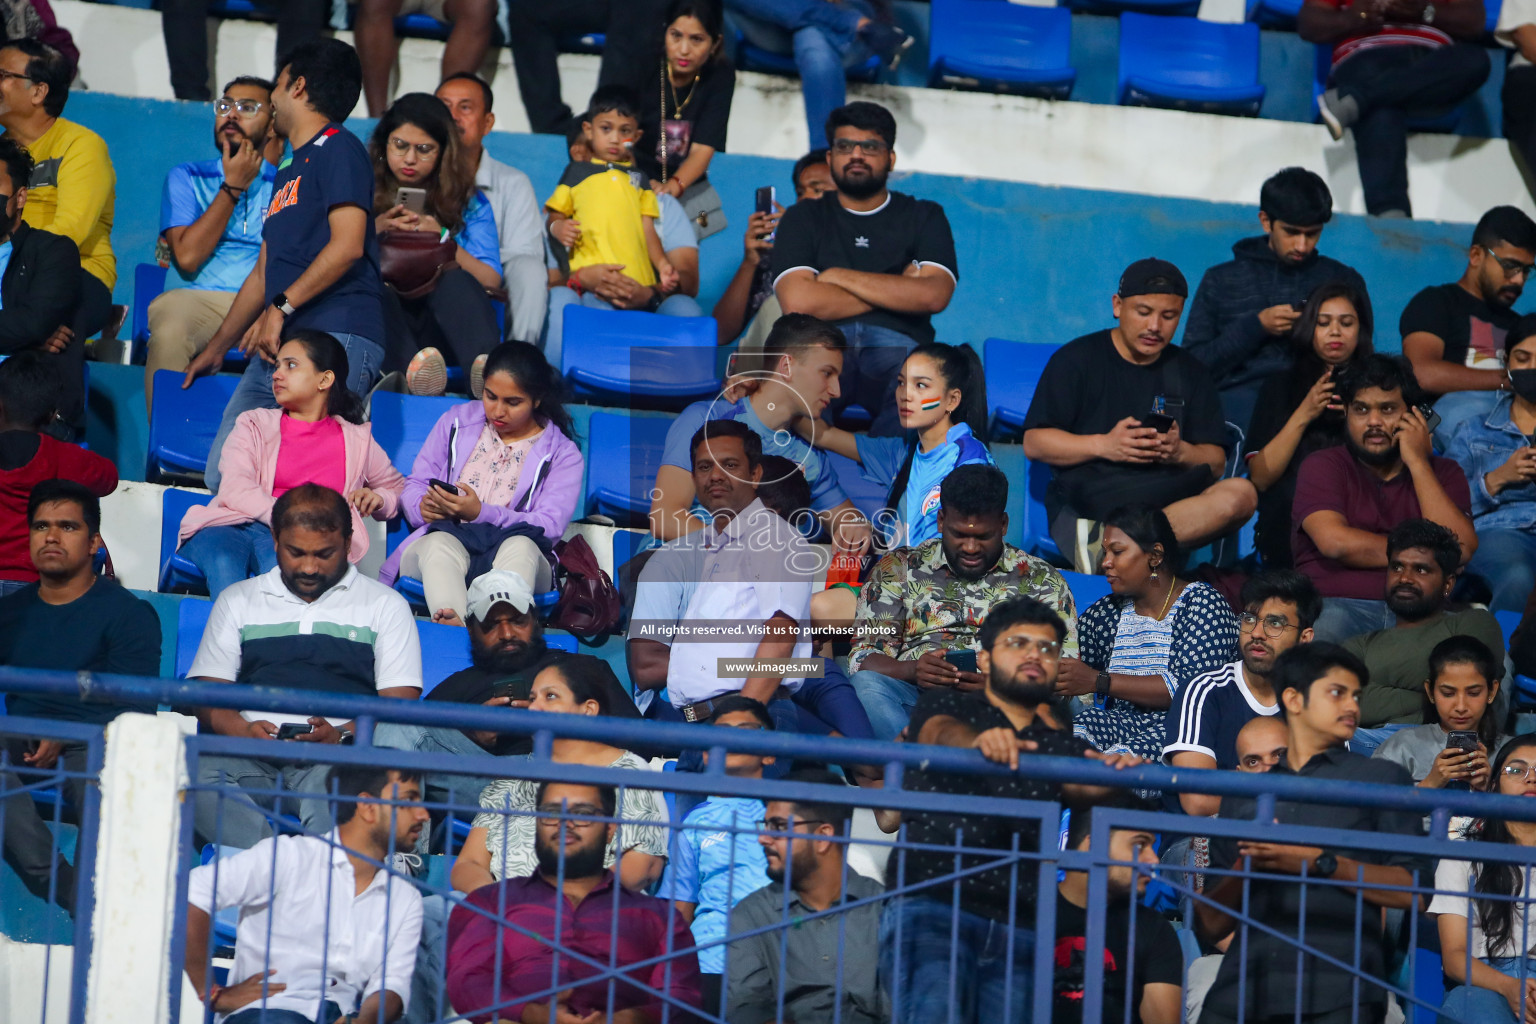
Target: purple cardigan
(547, 491)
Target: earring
(1154, 572)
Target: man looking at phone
(918, 612)
(313, 623)
(1349, 498)
(319, 260)
(211, 215)
(1422, 565)
(1123, 415)
(1241, 318)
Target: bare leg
(473, 22)
(1216, 510)
(374, 33)
(833, 608)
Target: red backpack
(589, 603)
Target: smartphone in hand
(965, 661)
(413, 199)
(290, 730)
(766, 198)
(445, 485)
(1431, 418)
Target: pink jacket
(249, 466)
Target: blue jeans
(229, 554)
(831, 704)
(365, 358)
(241, 821)
(256, 1015)
(823, 39)
(1365, 741)
(1344, 617)
(431, 958)
(870, 365)
(1506, 559)
(1470, 1003)
(888, 702)
(441, 787)
(560, 296)
(923, 990)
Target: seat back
(1189, 52)
(626, 455)
(444, 651)
(183, 423)
(401, 424)
(174, 503)
(1013, 372)
(623, 355)
(148, 284)
(1037, 524)
(1085, 589)
(995, 44)
(191, 619)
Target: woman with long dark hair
(514, 475)
(687, 101)
(1459, 696)
(1298, 413)
(315, 435)
(1488, 934)
(415, 149)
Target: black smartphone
(1461, 739)
(1158, 421)
(517, 689)
(289, 730)
(766, 197)
(1431, 418)
(965, 661)
(445, 485)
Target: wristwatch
(1325, 865)
(281, 303)
(1101, 687)
(348, 737)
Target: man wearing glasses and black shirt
(874, 262)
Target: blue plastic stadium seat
(184, 423)
(177, 573)
(1001, 47)
(1274, 13)
(1013, 370)
(148, 283)
(621, 472)
(755, 58)
(1037, 525)
(1085, 589)
(639, 358)
(191, 618)
(1160, 8)
(1189, 64)
(401, 424)
(1508, 622)
(626, 545)
(421, 25)
(28, 918)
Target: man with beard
(1454, 333)
(874, 262)
(821, 960)
(211, 216)
(1242, 315)
(1123, 415)
(1021, 645)
(313, 623)
(1350, 497)
(1422, 560)
(918, 613)
(1208, 714)
(572, 896)
(39, 287)
(288, 890)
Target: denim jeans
(1365, 741)
(870, 365)
(256, 1015)
(229, 554)
(365, 357)
(238, 819)
(1457, 408)
(1344, 617)
(1506, 560)
(921, 987)
(1470, 1003)
(1393, 84)
(677, 304)
(431, 959)
(888, 702)
(832, 703)
(441, 787)
(823, 39)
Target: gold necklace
(1167, 601)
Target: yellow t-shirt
(610, 202)
(72, 194)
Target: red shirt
(53, 459)
(1390, 34)
(1332, 480)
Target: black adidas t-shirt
(1468, 325)
(819, 233)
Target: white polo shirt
(357, 638)
(304, 889)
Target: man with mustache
(289, 890)
(1454, 333)
(1422, 560)
(1350, 497)
(1319, 686)
(211, 215)
(1124, 416)
(874, 262)
(313, 623)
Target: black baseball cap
(1152, 277)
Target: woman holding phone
(424, 187)
(1452, 751)
(1297, 413)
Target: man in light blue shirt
(211, 216)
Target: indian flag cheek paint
(931, 404)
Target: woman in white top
(500, 843)
(1462, 688)
(1487, 940)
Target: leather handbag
(706, 213)
(411, 262)
(589, 603)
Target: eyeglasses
(1017, 644)
(13, 74)
(247, 108)
(554, 814)
(1274, 625)
(1511, 267)
(423, 149)
(782, 824)
(869, 147)
(1523, 772)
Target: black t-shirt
(476, 685)
(1467, 324)
(984, 893)
(106, 629)
(1087, 387)
(704, 106)
(818, 233)
(1159, 959)
(1278, 399)
(17, 448)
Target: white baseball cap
(496, 587)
